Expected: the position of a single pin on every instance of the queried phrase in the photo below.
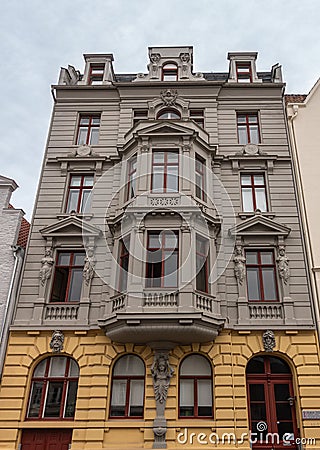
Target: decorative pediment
(165, 127)
(71, 226)
(259, 226)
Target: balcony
(163, 318)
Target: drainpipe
(18, 253)
(307, 248)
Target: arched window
(271, 399)
(127, 395)
(169, 72)
(195, 388)
(169, 114)
(54, 389)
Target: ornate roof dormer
(242, 67)
(170, 64)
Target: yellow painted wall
(96, 355)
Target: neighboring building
(14, 231)
(164, 299)
(303, 112)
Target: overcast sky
(37, 37)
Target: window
(165, 171)
(169, 72)
(96, 74)
(261, 275)
(123, 263)
(68, 275)
(197, 116)
(200, 171)
(54, 389)
(79, 190)
(248, 128)
(195, 387)
(162, 259)
(202, 264)
(253, 192)
(244, 72)
(132, 172)
(88, 131)
(127, 396)
(139, 114)
(170, 114)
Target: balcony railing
(160, 299)
(61, 312)
(268, 311)
(119, 302)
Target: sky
(37, 37)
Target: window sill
(247, 214)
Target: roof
(210, 76)
(23, 232)
(295, 98)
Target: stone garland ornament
(239, 265)
(269, 341)
(57, 340)
(89, 263)
(46, 266)
(283, 265)
(169, 96)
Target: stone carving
(155, 58)
(161, 374)
(159, 436)
(283, 265)
(57, 340)
(89, 263)
(169, 96)
(269, 341)
(46, 266)
(164, 201)
(185, 57)
(239, 264)
(83, 150)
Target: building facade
(164, 301)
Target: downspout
(18, 253)
(307, 248)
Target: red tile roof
(23, 232)
(295, 98)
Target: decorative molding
(239, 265)
(184, 57)
(46, 266)
(164, 201)
(169, 96)
(83, 150)
(57, 340)
(155, 58)
(269, 341)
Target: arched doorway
(271, 404)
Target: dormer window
(96, 74)
(170, 114)
(244, 72)
(170, 72)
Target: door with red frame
(55, 439)
(271, 404)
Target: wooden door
(38, 439)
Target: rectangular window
(197, 116)
(200, 171)
(202, 264)
(131, 177)
(68, 275)
(253, 192)
(96, 74)
(248, 128)
(244, 72)
(88, 130)
(261, 275)
(79, 190)
(123, 263)
(139, 114)
(162, 259)
(165, 171)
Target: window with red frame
(169, 72)
(253, 192)
(162, 259)
(123, 263)
(68, 274)
(261, 275)
(248, 128)
(197, 116)
(54, 389)
(96, 74)
(79, 190)
(202, 264)
(195, 387)
(88, 130)
(244, 74)
(131, 177)
(128, 379)
(165, 171)
(169, 114)
(200, 171)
